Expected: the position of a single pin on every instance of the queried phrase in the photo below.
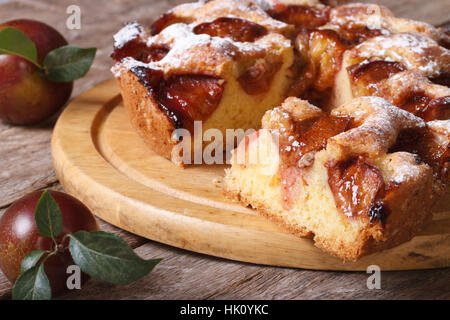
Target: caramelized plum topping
(191, 97)
(315, 138)
(311, 136)
(356, 34)
(147, 76)
(425, 107)
(237, 29)
(257, 78)
(331, 3)
(437, 109)
(297, 149)
(318, 58)
(139, 51)
(415, 103)
(365, 74)
(184, 98)
(154, 53)
(422, 143)
(302, 16)
(443, 79)
(357, 187)
(302, 71)
(375, 71)
(165, 20)
(378, 211)
(326, 49)
(131, 42)
(132, 48)
(412, 141)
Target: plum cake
(359, 179)
(225, 64)
(357, 151)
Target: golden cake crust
(152, 124)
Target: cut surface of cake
(347, 179)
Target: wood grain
(101, 160)
(100, 20)
(184, 275)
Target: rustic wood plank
(182, 274)
(25, 160)
(273, 283)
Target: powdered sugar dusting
(382, 110)
(263, 4)
(405, 171)
(412, 80)
(416, 51)
(245, 9)
(404, 83)
(441, 126)
(189, 6)
(128, 33)
(378, 119)
(181, 39)
(127, 64)
(371, 16)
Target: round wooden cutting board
(101, 160)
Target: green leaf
(48, 216)
(32, 285)
(68, 63)
(108, 257)
(31, 259)
(16, 42)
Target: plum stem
(62, 247)
(50, 253)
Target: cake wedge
(347, 179)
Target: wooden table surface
(25, 166)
